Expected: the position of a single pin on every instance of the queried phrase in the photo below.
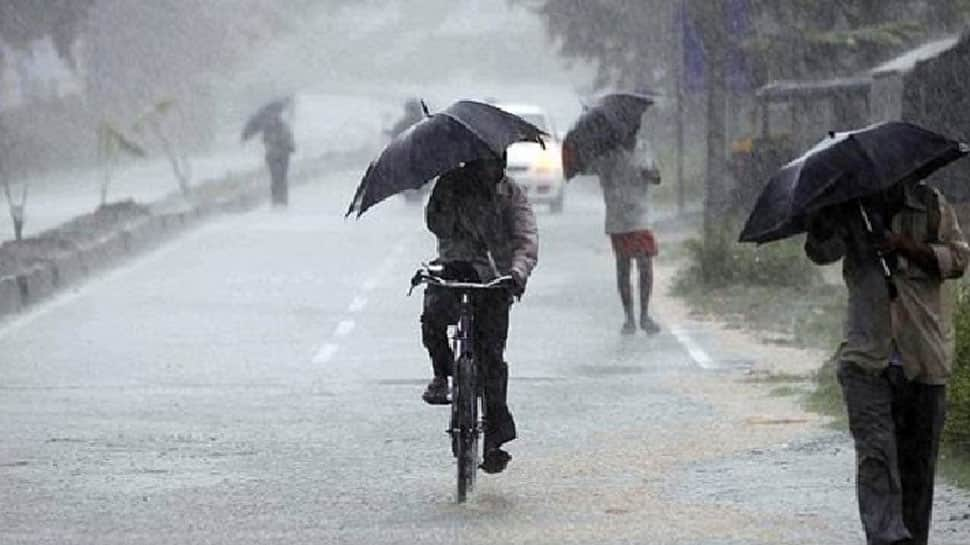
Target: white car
(537, 170)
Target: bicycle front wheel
(465, 398)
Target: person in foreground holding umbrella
(860, 196)
(482, 218)
(485, 229)
(899, 346)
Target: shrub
(957, 431)
(719, 263)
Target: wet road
(258, 381)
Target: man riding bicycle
(485, 229)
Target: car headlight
(548, 162)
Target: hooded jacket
(472, 221)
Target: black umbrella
(263, 116)
(602, 128)
(463, 132)
(845, 167)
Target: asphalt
(258, 381)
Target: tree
(15, 206)
(153, 122)
(112, 146)
(797, 38)
(23, 21)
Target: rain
(587, 272)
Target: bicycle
(468, 414)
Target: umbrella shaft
(882, 260)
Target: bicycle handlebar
(494, 284)
(425, 276)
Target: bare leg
(626, 292)
(645, 270)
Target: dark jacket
(278, 140)
(472, 222)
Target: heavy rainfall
(685, 272)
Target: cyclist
(482, 220)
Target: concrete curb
(10, 296)
(37, 283)
(69, 268)
(72, 267)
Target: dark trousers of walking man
(896, 425)
(279, 186)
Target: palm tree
(152, 120)
(112, 145)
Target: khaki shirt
(919, 322)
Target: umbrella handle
(882, 260)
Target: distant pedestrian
(278, 141)
(625, 179)
(413, 113)
(898, 349)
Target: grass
(954, 465)
(768, 293)
(808, 317)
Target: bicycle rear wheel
(465, 399)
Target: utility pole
(710, 18)
(680, 75)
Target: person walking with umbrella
(861, 198)
(278, 143)
(604, 142)
(485, 228)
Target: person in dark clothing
(278, 141)
(898, 349)
(485, 228)
(412, 114)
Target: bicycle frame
(467, 400)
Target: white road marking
(696, 352)
(369, 284)
(326, 353)
(344, 328)
(357, 304)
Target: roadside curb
(10, 298)
(71, 267)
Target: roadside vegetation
(774, 292)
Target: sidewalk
(56, 197)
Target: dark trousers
(896, 426)
(279, 188)
(491, 328)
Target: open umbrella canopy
(264, 115)
(463, 132)
(602, 128)
(844, 167)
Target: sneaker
(495, 461)
(629, 328)
(437, 392)
(649, 326)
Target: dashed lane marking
(326, 353)
(346, 326)
(357, 304)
